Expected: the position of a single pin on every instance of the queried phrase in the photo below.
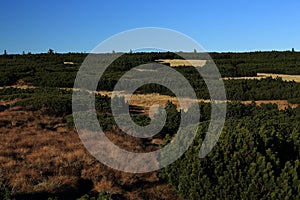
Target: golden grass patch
(182, 62)
(285, 77)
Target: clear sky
(79, 26)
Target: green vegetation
(294, 100)
(264, 89)
(55, 101)
(40, 69)
(58, 102)
(5, 193)
(59, 70)
(250, 63)
(256, 157)
(101, 196)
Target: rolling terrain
(257, 156)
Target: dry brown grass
(284, 77)
(20, 84)
(282, 104)
(259, 76)
(147, 100)
(181, 62)
(34, 158)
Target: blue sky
(79, 26)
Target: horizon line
(136, 52)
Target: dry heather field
(40, 156)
